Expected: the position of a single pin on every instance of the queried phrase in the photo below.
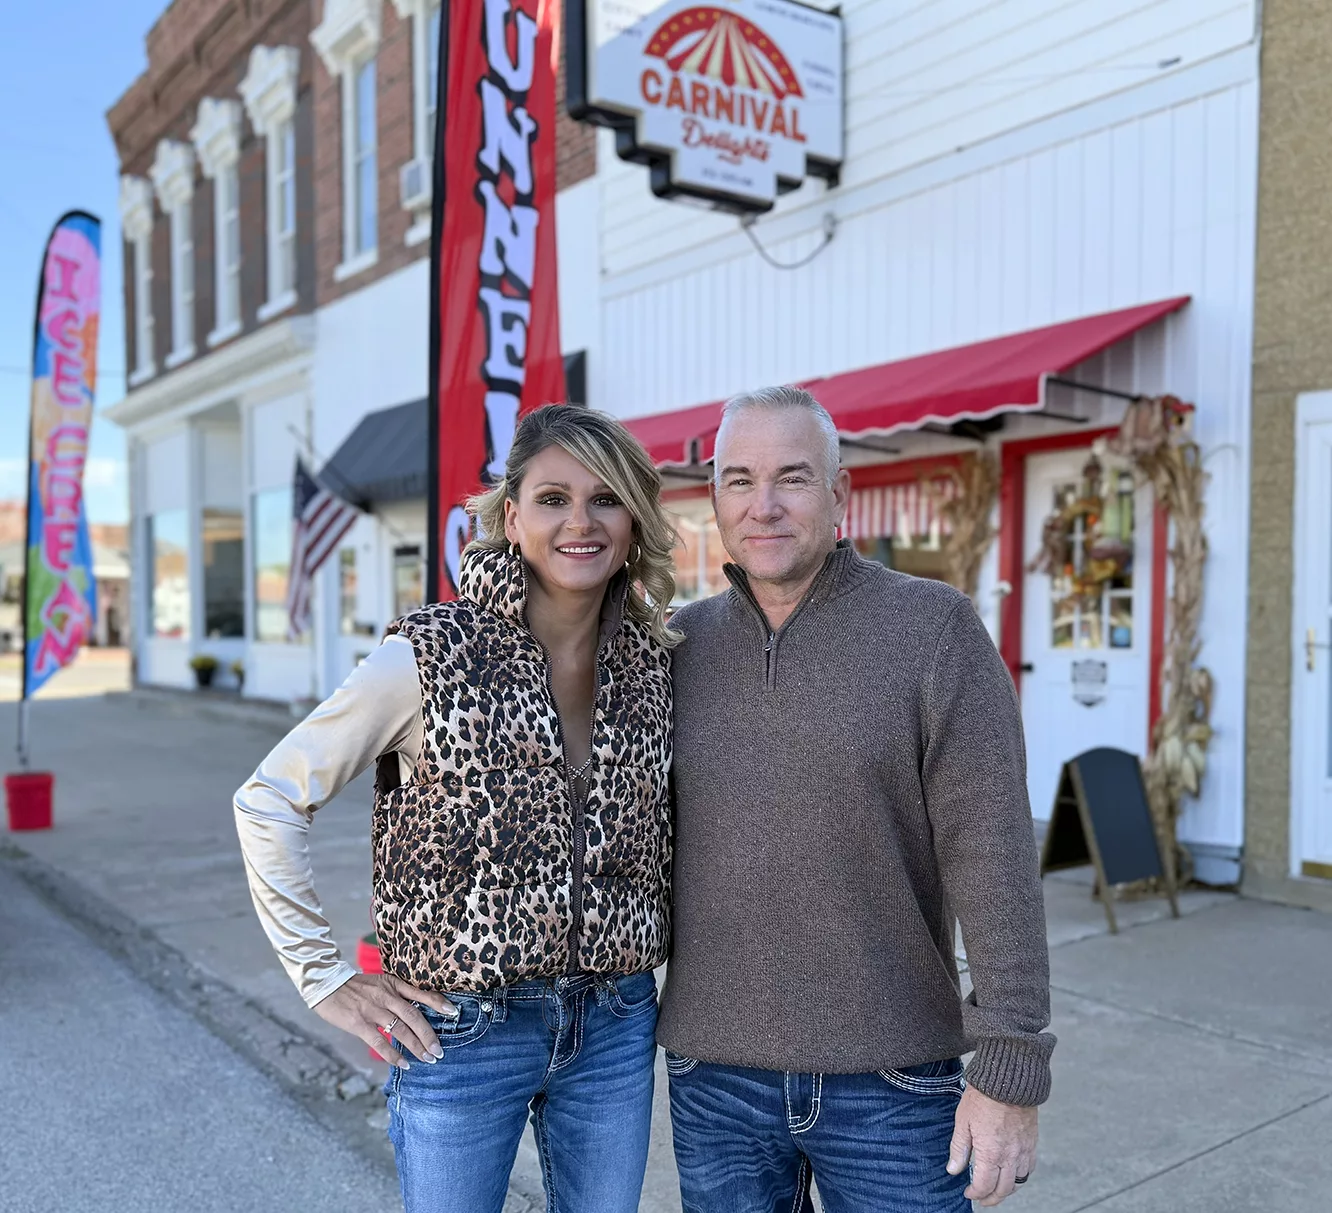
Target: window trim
(145, 362)
(182, 301)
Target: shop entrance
(1086, 635)
(1311, 731)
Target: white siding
(274, 433)
(223, 486)
(927, 78)
(166, 467)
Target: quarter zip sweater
(847, 788)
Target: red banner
(495, 333)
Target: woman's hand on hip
(370, 1001)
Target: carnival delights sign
(734, 103)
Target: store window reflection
(224, 573)
(270, 525)
(168, 551)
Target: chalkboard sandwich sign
(1101, 817)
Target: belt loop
(499, 1004)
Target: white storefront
(1006, 168)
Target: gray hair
(787, 397)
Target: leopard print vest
(473, 856)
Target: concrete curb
(266, 714)
(336, 1096)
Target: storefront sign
(60, 595)
(495, 327)
(733, 103)
(1089, 679)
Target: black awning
(384, 457)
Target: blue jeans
(749, 1141)
(576, 1053)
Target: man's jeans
(578, 1052)
(749, 1141)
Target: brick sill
(357, 265)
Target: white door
(1311, 723)
(1086, 639)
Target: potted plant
(204, 666)
(238, 673)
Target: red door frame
(1012, 527)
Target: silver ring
(388, 1027)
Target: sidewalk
(1194, 1069)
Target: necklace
(583, 770)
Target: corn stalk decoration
(969, 515)
(1155, 435)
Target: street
(1193, 1072)
(116, 1099)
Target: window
(169, 574)
(432, 81)
(1090, 538)
(270, 524)
(347, 591)
(144, 365)
(227, 261)
(224, 573)
(182, 281)
(363, 224)
(282, 211)
(408, 580)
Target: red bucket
(28, 800)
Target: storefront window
(900, 526)
(270, 524)
(224, 573)
(698, 559)
(348, 624)
(168, 553)
(1090, 533)
(408, 580)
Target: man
(849, 779)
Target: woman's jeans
(576, 1052)
(748, 1141)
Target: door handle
(1026, 668)
(1310, 644)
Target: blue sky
(62, 65)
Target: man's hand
(369, 1002)
(1000, 1142)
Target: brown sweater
(843, 791)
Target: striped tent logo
(717, 44)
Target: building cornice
(348, 34)
(136, 207)
(269, 87)
(173, 173)
(216, 135)
(217, 376)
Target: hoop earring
(515, 550)
(638, 547)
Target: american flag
(320, 519)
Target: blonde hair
(608, 450)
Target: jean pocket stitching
(677, 1066)
(939, 1084)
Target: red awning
(969, 382)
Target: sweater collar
(496, 579)
(841, 570)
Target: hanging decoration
(967, 513)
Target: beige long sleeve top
(376, 711)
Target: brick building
(275, 203)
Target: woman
(521, 834)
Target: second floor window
(432, 80)
(143, 306)
(228, 249)
(363, 228)
(282, 210)
(182, 281)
